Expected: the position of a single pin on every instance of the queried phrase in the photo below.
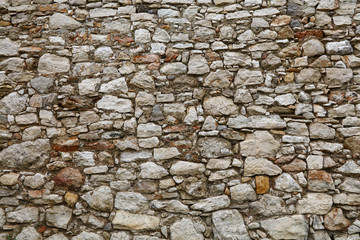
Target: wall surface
(179, 119)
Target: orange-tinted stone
(69, 177)
(262, 184)
(71, 198)
(66, 144)
(150, 58)
(310, 33)
(99, 145)
(335, 220)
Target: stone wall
(179, 119)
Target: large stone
(87, 236)
(135, 222)
(61, 21)
(112, 103)
(122, 26)
(187, 168)
(130, 201)
(286, 183)
(237, 58)
(259, 144)
(9, 47)
(289, 227)
(149, 130)
(134, 156)
(184, 230)
(52, 64)
(315, 203)
(328, 5)
(229, 224)
(321, 131)
(58, 216)
(242, 193)
(173, 206)
(42, 84)
(320, 181)
(347, 199)
(212, 203)
(143, 80)
(219, 79)
(100, 199)
(69, 177)
(335, 220)
(175, 68)
(213, 147)
(26, 154)
(24, 215)
(268, 206)
(353, 143)
(220, 105)
(337, 77)
(166, 153)
(198, 65)
(308, 75)
(13, 103)
(29, 233)
(245, 77)
(313, 47)
(152, 170)
(350, 185)
(260, 166)
(339, 48)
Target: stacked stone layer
(179, 119)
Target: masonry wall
(179, 119)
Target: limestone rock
(286, 183)
(52, 64)
(100, 199)
(212, 203)
(237, 58)
(340, 48)
(136, 222)
(143, 80)
(187, 168)
(42, 84)
(229, 224)
(13, 103)
(112, 103)
(58, 216)
(245, 77)
(289, 227)
(62, 21)
(212, 147)
(260, 166)
(87, 236)
(219, 79)
(24, 215)
(308, 75)
(8, 47)
(173, 206)
(259, 144)
(242, 192)
(29, 233)
(166, 153)
(313, 47)
(335, 220)
(130, 201)
(198, 65)
(315, 203)
(336, 77)
(173, 68)
(185, 230)
(321, 131)
(152, 170)
(220, 106)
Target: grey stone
(84, 159)
(149, 130)
(313, 47)
(349, 167)
(185, 230)
(142, 80)
(219, 79)
(29, 233)
(260, 166)
(61, 21)
(242, 96)
(100, 199)
(58, 216)
(103, 54)
(24, 215)
(336, 77)
(198, 65)
(52, 64)
(340, 48)
(286, 99)
(286, 183)
(242, 193)
(121, 25)
(142, 36)
(13, 103)
(42, 84)
(187, 168)
(57, 236)
(236, 58)
(229, 224)
(36, 181)
(212, 203)
(175, 68)
(160, 35)
(220, 106)
(347, 199)
(245, 77)
(213, 147)
(87, 236)
(321, 131)
(268, 206)
(259, 144)
(166, 153)
(130, 201)
(134, 156)
(308, 75)
(9, 47)
(315, 203)
(152, 171)
(112, 103)
(289, 227)
(173, 206)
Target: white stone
(198, 65)
(187, 168)
(115, 86)
(142, 36)
(112, 103)
(9, 47)
(288, 227)
(138, 222)
(152, 171)
(229, 224)
(185, 230)
(260, 166)
(315, 203)
(212, 203)
(130, 201)
(58, 216)
(166, 153)
(61, 21)
(52, 64)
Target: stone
(142, 80)
(69, 177)
(262, 184)
(29, 233)
(315, 162)
(42, 84)
(288, 227)
(313, 47)
(173, 206)
(52, 64)
(328, 5)
(13, 103)
(242, 193)
(212, 203)
(260, 166)
(84, 159)
(103, 54)
(100, 199)
(152, 171)
(286, 183)
(145, 99)
(219, 79)
(130, 201)
(57, 236)
(175, 68)
(320, 181)
(268, 206)
(102, 12)
(321, 131)
(135, 222)
(315, 203)
(336, 77)
(24, 215)
(185, 230)
(335, 220)
(308, 75)
(259, 144)
(229, 224)
(166, 153)
(236, 58)
(112, 103)
(71, 199)
(9, 179)
(160, 35)
(285, 100)
(198, 65)
(242, 96)
(58, 216)
(187, 168)
(29, 154)
(220, 106)
(9, 47)
(149, 130)
(61, 21)
(347, 199)
(87, 236)
(326, 146)
(245, 77)
(339, 48)
(36, 181)
(134, 156)
(213, 147)
(223, 2)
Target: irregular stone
(87, 236)
(130, 201)
(175, 68)
(13, 103)
(30, 154)
(24, 215)
(185, 230)
(350, 167)
(236, 58)
(229, 224)
(187, 168)
(286, 183)
(136, 222)
(220, 106)
(268, 206)
(9, 47)
(212, 203)
(152, 170)
(122, 26)
(347, 199)
(29, 233)
(342, 111)
(62, 21)
(336, 77)
(350, 185)
(84, 159)
(260, 166)
(339, 48)
(326, 146)
(42, 84)
(242, 193)
(58, 216)
(197, 65)
(335, 220)
(315, 203)
(112, 103)
(9, 179)
(245, 77)
(36, 181)
(288, 227)
(100, 199)
(313, 47)
(173, 206)
(141, 79)
(213, 147)
(134, 156)
(166, 153)
(149, 130)
(286, 99)
(308, 75)
(103, 54)
(328, 5)
(321, 131)
(262, 184)
(242, 96)
(52, 64)
(259, 144)
(320, 181)
(219, 79)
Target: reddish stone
(171, 54)
(99, 145)
(335, 220)
(150, 58)
(41, 229)
(337, 96)
(36, 193)
(69, 177)
(281, 21)
(310, 33)
(320, 175)
(212, 56)
(284, 159)
(4, 23)
(285, 33)
(76, 102)
(66, 144)
(297, 165)
(175, 128)
(153, 66)
(123, 40)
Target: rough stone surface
(229, 224)
(291, 227)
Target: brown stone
(335, 220)
(76, 102)
(281, 21)
(146, 186)
(124, 40)
(310, 33)
(171, 54)
(320, 181)
(69, 177)
(71, 199)
(286, 32)
(99, 145)
(297, 165)
(66, 144)
(150, 58)
(284, 159)
(353, 143)
(262, 184)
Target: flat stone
(185, 230)
(219, 79)
(130, 201)
(52, 64)
(260, 166)
(212, 203)
(149, 130)
(187, 168)
(42, 84)
(313, 47)
(69, 177)
(58, 216)
(242, 193)
(143, 80)
(347, 199)
(268, 206)
(245, 77)
(321, 131)
(29, 233)
(320, 181)
(339, 48)
(213, 147)
(335, 220)
(315, 203)
(24, 215)
(9, 179)
(100, 199)
(220, 106)
(62, 21)
(122, 26)
(328, 5)
(87, 236)
(336, 77)
(135, 156)
(259, 144)
(173, 68)
(152, 171)
(112, 103)
(286, 183)
(350, 185)
(9, 47)
(229, 224)
(136, 222)
(166, 153)
(308, 75)
(236, 58)
(289, 227)
(173, 206)
(198, 65)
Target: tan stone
(71, 198)
(262, 184)
(335, 220)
